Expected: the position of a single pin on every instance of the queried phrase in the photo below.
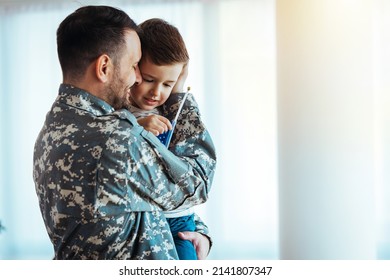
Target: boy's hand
(179, 86)
(155, 124)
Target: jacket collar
(83, 100)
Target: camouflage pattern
(103, 181)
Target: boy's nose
(155, 91)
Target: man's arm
(137, 173)
(189, 131)
(191, 140)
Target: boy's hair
(162, 43)
(88, 33)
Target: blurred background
(295, 94)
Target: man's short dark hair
(88, 33)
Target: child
(164, 60)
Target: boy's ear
(104, 67)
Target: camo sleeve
(191, 140)
(154, 177)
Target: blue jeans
(184, 248)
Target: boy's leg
(185, 249)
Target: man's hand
(200, 242)
(155, 124)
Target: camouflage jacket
(103, 181)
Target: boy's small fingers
(166, 122)
(168, 125)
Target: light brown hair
(162, 43)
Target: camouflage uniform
(102, 180)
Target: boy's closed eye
(148, 80)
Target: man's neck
(87, 85)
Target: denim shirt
(103, 181)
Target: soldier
(102, 180)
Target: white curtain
(381, 86)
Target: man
(102, 180)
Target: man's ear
(104, 67)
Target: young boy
(164, 69)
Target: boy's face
(156, 86)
